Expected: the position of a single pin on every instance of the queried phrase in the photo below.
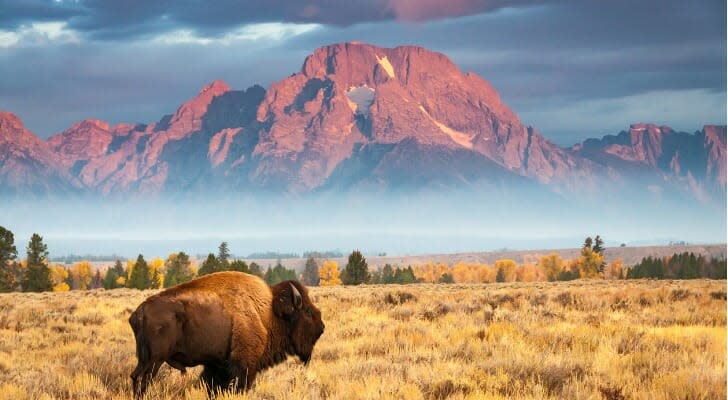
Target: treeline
(679, 266)
(36, 273)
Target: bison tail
(142, 346)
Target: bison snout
(321, 331)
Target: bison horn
(297, 300)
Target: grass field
(581, 340)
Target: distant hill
(630, 255)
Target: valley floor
(586, 339)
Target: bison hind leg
(216, 378)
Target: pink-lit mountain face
(355, 118)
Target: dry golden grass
(580, 340)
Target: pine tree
(311, 273)
(587, 242)
(599, 249)
(209, 266)
(387, 274)
(110, 279)
(239, 266)
(223, 255)
(501, 275)
(254, 269)
(178, 269)
(8, 254)
(356, 271)
(114, 275)
(140, 277)
(38, 275)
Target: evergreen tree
(255, 269)
(311, 272)
(598, 245)
(239, 266)
(178, 269)
(69, 279)
(8, 254)
(209, 266)
(387, 274)
(587, 242)
(111, 279)
(500, 276)
(140, 277)
(404, 276)
(356, 271)
(599, 249)
(38, 275)
(278, 274)
(223, 255)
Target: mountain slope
(658, 155)
(27, 164)
(356, 118)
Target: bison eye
(308, 312)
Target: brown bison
(230, 322)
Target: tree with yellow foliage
(552, 265)
(506, 270)
(156, 270)
(81, 274)
(329, 273)
(589, 263)
(59, 275)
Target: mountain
(659, 155)
(356, 117)
(27, 164)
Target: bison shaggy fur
(232, 323)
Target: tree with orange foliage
(329, 274)
(615, 270)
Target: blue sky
(572, 69)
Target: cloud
(38, 33)
(121, 60)
(116, 20)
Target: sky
(572, 69)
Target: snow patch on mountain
(458, 137)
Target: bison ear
(287, 300)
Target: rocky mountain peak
(9, 123)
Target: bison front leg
(216, 378)
(141, 377)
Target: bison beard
(230, 322)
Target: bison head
(292, 304)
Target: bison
(231, 322)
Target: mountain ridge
(355, 117)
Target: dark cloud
(546, 58)
(102, 19)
